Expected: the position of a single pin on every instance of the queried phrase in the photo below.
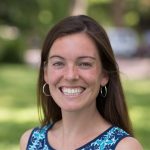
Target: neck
(79, 123)
(75, 121)
(77, 126)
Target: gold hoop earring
(44, 90)
(103, 91)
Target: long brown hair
(113, 107)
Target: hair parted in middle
(112, 107)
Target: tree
(118, 12)
(78, 7)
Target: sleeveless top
(105, 141)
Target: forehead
(74, 44)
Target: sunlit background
(23, 27)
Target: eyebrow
(81, 57)
(56, 56)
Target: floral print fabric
(105, 141)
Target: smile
(72, 91)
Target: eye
(85, 65)
(58, 64)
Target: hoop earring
(44, 90)
(104, 91)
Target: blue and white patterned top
(106, 141)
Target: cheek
(92, 77)
(53, 77)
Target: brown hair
(113, 107)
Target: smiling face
(74, 72)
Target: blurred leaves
(27, 14)
(18, 13)
(12, 51)
(32, 19)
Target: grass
(138, 98)
(18, 105)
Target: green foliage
(101, 12)
(11, 51)
(33, 19)
(26, 14)
(19, 13)
(135, 11)
(18, 105)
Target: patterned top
(106, 141)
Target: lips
(70, 91)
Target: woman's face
(74, 72)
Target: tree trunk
(78, 7)
(118, 10)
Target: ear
(105, 79)
(45, 73)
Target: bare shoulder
(24, 139)
(129, 143)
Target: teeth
(72, 91)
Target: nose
(71, 73)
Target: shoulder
(24, 139)
(33, 136)
(129, 143)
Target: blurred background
(23, 27)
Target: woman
(79, 92)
